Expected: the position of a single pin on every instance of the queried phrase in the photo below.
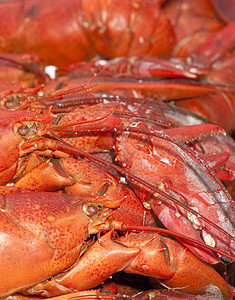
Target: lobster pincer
(176, 170)
(63, 236)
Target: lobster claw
(184, 192)
(147, 254)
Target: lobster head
(14, 97)
(15, 128)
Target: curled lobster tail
(117, 30)
(96, 25)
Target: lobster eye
(12, 101)
(23, 130)
(89, 209)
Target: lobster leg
(147, 254)
(103, 259)
(190, 274)
(50, 230)
(46, 176)
(79, 176)
(82, 295)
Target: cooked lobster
(98, 175)
(94, 129)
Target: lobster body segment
(91, 33)
(39, 17)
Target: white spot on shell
(194, 219)
(145, 267)
(193, 70)
(50, 71)
(40, 93)
(147, 205)
(208, 239)
(177, 214)
(179, 67)
(165, 160)
(141, 40)
(122, 180)
(207, 198)
(101, 62)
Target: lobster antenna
(69, 100)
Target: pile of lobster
(125, 161)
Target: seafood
(99, 175)
(187, 87)
(99, 128)
(193, 86)
(93, 28)
(94, 25)
(22, 69)
(40, 236)
(95, 31)
(209, 67)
